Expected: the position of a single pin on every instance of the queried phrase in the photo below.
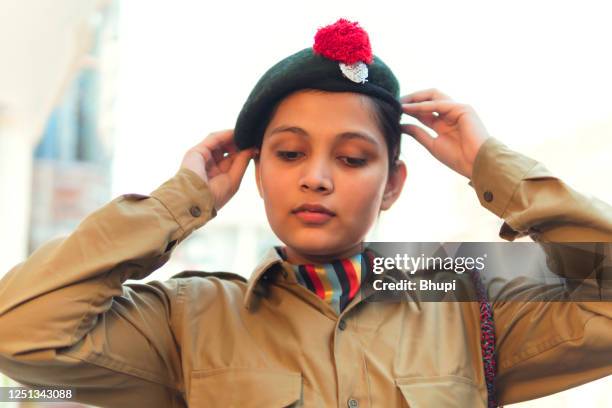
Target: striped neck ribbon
(336, 282)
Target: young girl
(323, 129)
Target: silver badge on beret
(357, 72)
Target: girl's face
(324, 152)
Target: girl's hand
(219, 163)
(459, 129)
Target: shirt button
(353, 403)
(488, 196)
(342, 324)
(195, 211)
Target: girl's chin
(319, 244)
(313, 245)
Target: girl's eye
(288, 155)
(353, 161)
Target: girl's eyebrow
(344, 135)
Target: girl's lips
(313, 217)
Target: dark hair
(388, 118)
(385, 114)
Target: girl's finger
(227, 148)
(224, 147)
(231, 147)
(216, 139)
(425, 95)
(232, 152)
(210, 162)
(442, 107)
(426, 118)
(217, 154)
(228, 159)
(226, 163)
(212, 169)
(239, 165)
(205, 153)
(420, 135)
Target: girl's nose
(317, 177)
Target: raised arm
(542, 346)
(552, 342)
(66, 316)
(67, 319)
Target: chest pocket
(443, 392)
(245, 387)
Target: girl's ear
(258, 173)
(394, 186)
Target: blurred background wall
(57, 90)
(58, 84)
(101, 98)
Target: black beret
(318, 67)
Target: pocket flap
(245, 387)
(442, 392)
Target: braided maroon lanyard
(487, 338)
(487, 332)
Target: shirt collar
(271, 261)
(268, 268)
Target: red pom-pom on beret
(343, 41)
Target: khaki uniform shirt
(216, 340)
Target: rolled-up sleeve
(532, 201)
